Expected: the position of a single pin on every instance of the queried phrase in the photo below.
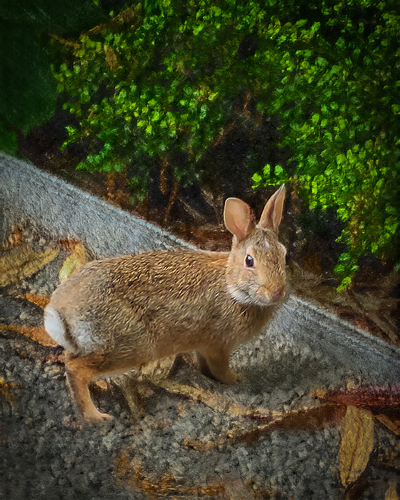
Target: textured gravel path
(269, 437)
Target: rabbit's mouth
(257, 296)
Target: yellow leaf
(74, 262)
(391, 492)
(356, 444)
(19, 262)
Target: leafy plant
(338, 101)
(161, 84)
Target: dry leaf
(391, 492)
(15, 239)
(7, 389)
(74, 262)
(391, 422)
(364, 396)
(214, 401)
(38, 300)
(111, 59)
(356, 444)
(18, 263)
(320, 417)
(38, 334)
(204, 445)
(131, 473)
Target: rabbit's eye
(249, 261)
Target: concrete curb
(65, 211)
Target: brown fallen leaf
(131, 473)
(37, 333)
(356, 444)
(369, 397)
(6, 390)
(320, 417)
(74, 262)
(69, 243)
(390, 461)
(391, 492)
(214, 401)
(204, 445)
(392, 422)
(19, 262)
(15, 238)
(38, 300)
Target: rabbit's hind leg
(81, 370)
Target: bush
(165, 80)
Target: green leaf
(321, 61)
(344, 283)
(257, 179)
(267, 171)
(315, 118)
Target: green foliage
(27, 88)
(338, 99)
(164, 80)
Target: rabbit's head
(256, 265)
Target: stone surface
(187, 441)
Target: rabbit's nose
(278, 294)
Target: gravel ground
(193, 438)
(180, 447)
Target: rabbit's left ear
(272, 213)
(238, 218)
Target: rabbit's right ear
(272, 213)
(238, 218)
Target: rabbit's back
(155, 303)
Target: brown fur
(140, 308)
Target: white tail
(55, 327)
(76, 336)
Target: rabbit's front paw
(97, 418)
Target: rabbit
(121, 313)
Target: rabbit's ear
(238, 219)
(272, 213)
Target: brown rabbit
(121, 313)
